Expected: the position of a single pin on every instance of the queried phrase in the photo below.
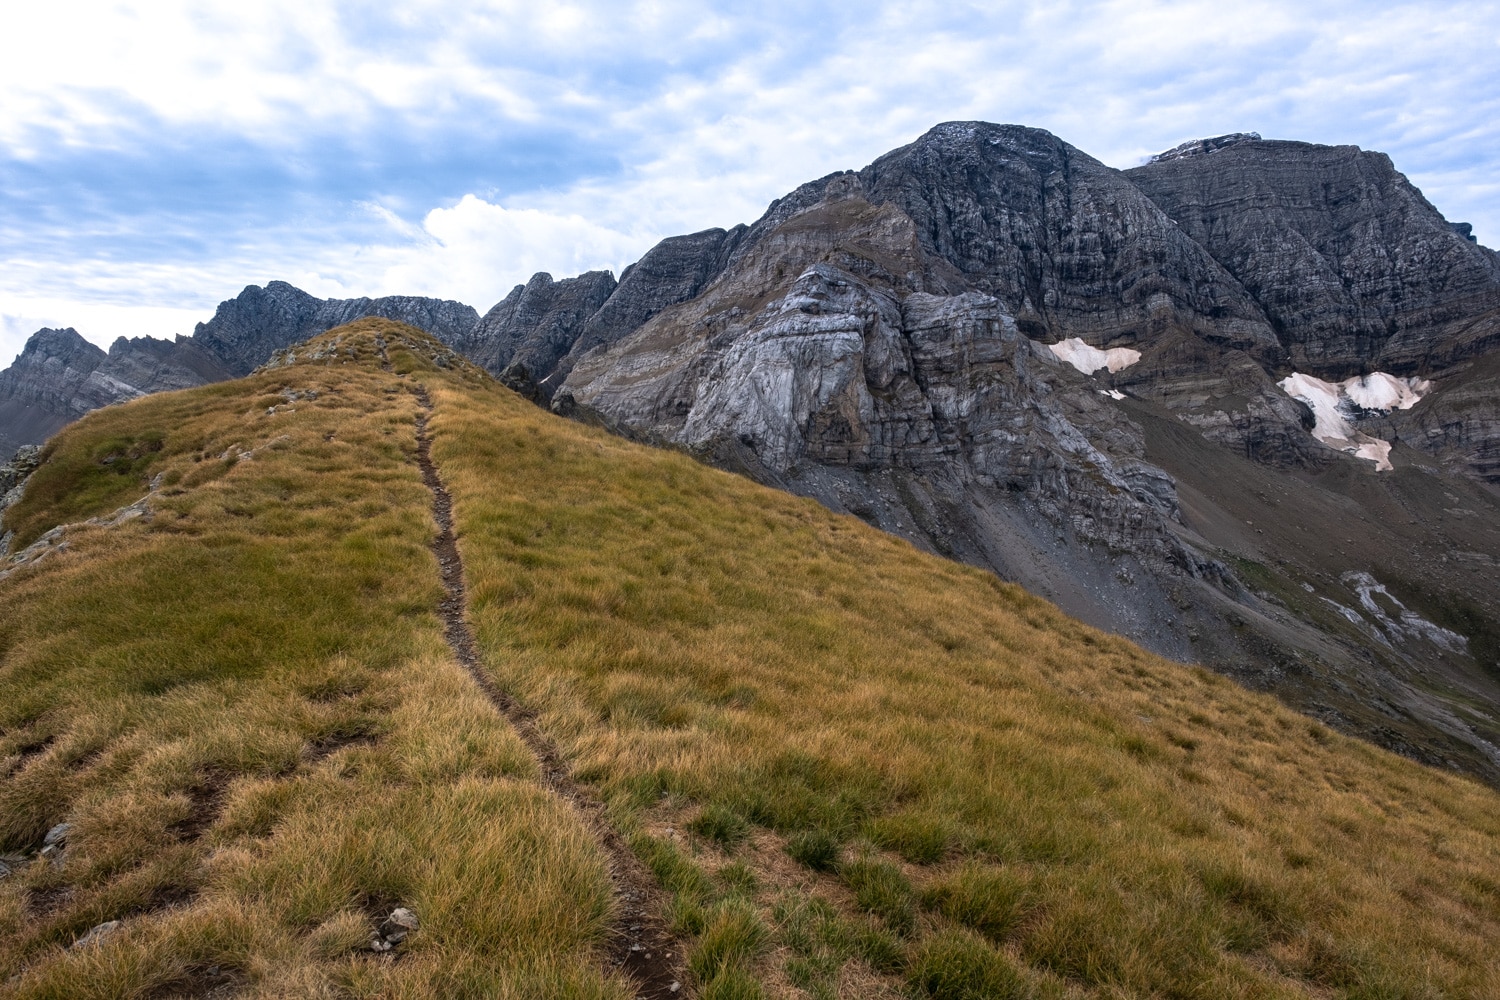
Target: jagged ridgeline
(265, 732)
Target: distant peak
(53, 342)
(1202, 147)
(966, 132)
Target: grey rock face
(59, 376)
(1069, 244)
(537, 324)
(246, 329)
(46, 387)
(1354, 268)
(1459, 423)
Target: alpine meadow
(363, 676)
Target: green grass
(880, 888)
(1031, 807)
(817, 849)
(692, 639)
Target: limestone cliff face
(1073, 247)
(537, 324)
(1354, 268)
(44, 388)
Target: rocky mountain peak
(65, 346)
(1202, 147)
(1354, 268)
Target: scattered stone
(396, 937)
(402, 917)
(95, 935)
(675, 986)
(57, 834)
(380, 945)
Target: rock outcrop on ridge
(918, 343)
(59, 376)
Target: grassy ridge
(1009, 803)
(860, 771)
(246, 709)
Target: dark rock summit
(246, 329)
(1355, 270)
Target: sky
(157, 157)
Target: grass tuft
(721, 825)
(957, 965)
(881, 888)
(732, 936)
(816, 849)
(989, 900)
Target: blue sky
(157, 157)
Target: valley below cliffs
(1013, 355)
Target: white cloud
(476, 252)
(710, 113)
(99, 323)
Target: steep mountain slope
(1356, 271)
(867, 345)
(853, 768)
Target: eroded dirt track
(641, 945)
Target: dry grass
(698, 642)
(992, 799)
(256, 729)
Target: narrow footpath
(641, 945)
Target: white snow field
(1336, 406)
(1090, 359)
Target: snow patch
(1337, 405)
(1406, 624)
(1379, 391)
(1090, 359)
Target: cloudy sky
(156, 157)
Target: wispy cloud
(161, 155)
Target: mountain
(908, 343)
(361, 675)
(1354, 269)
(59, 376)
(1239, 404)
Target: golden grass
(251, 719)
(1006, 802)
(698, 642)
